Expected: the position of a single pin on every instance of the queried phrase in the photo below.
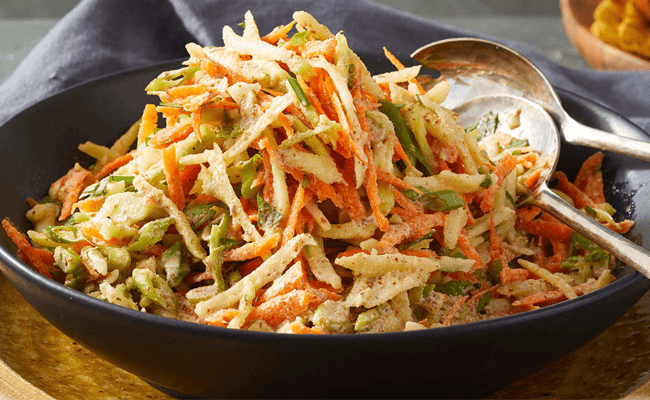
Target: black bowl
(472, 360)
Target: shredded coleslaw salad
(279, 186)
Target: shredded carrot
(174, 184)
(400, 66)
(504, 167)
(182, 91)
(532, 179)
(469, 251)
(550, 230)
(547, 297)
(169, 135)
(148, 124)
(413, 228)
(579, 197)
(405, 202)
(222, 317)
(225, 104)
(527, 214)
(595, 188)
(588, 169)
(45, 255)
(395, 181)
(372, 192)
(298, 328)
(279, 32)
(294, 277)
(188, 176)
(26, 248)
(348, 193)
(113, 165)
(313, 99)
(451, 314)
(280, 308)
(300, 198)
(511, 275)
(286, 124)
(250, 266)
(252, 250)
(73, 187)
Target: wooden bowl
(577, 16)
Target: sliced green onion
(154, 288)
(300, 38)
(176, 264)
(487, 182)
(171, 79)
(495, 271)
(302, 97)
(67, 260)
(509, 197)
(453, 288)
(443, 200)
(63, 234)
(150, 234)
(404, 134)
(248, 176)
(199, 214)
(517, 143)
(483, 301)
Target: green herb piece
(300, 38)
(452, 288)
(150, 234)
(570, 262)
(404, 134)
(267, 216)
(248, 176)
(516, 152)
(495, 271)
(486, 126)
(228, 132)
(67, 260)
(458, 254)
(198, 214)
(154, 287)
(305, 182)
(443, 200)
(176, 264)
(63, 234)
(517, 143)
(483, 301)
(590, 211)
(302, 97)
(487, 182)
(509, 197)
(171, 79)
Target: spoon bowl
(481, 67)
(537, 126)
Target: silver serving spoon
(537, 126)
(482, 67)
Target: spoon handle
(629, 253)
(576, 133)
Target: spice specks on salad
(278, 186)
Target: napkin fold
(100, 37)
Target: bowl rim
(165, 323)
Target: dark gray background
(54, 9)
(24, 22)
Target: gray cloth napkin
(99, 37)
